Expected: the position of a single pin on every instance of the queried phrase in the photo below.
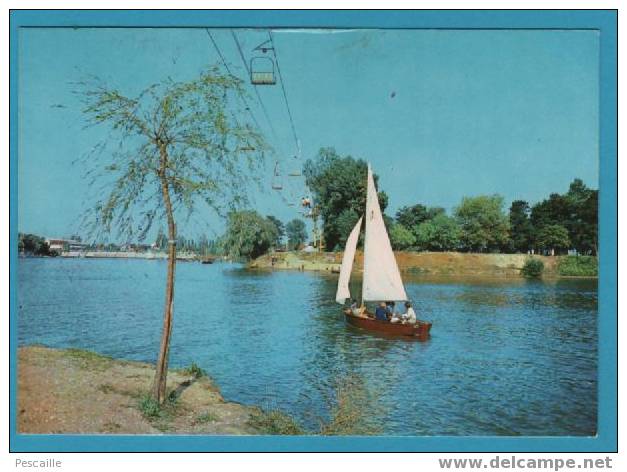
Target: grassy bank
(578, 266)
(437, 263)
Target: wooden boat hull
(419, 330)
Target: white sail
(382, 279)
(347, 265)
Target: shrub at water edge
(533, 268)
(582, 266)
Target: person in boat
(397, 316)
(389, 310)
(392, 311)
(410, 316)
(355, 308)
(381, 313)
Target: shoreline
(421, 264)
(480, 266)
(75, 391)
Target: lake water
(505, 357)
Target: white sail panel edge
(343, 291)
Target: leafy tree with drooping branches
(171, 149)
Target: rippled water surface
(505, 357)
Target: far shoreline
(418, 265)
(423, 264)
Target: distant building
(64, 245)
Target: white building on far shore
(64, 245)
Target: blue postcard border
(605, 21)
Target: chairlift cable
(226, 66)
(287, 104)
(263, 107)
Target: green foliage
(532, 268)
(194, 370)
(580, 266)
(521, 229)
(339, 187)
(149, 407)
(401, 238)
(411, 216)
(442, 233)
(296, 233)
(280, 230)
(274, 422)
(158, 415)
(344, 224)
(583, 222)
(248, 234)
(551, 237)
(576, 210)
(484, 225)
(206, 417)
(33, 244)
(185, 136)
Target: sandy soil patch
(75, 391)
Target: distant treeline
(33, 245)
(478, 224)
(248, 235)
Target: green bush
(149, 407)
(195, 371)
(582, 266)
(274, 422)
(533, 268)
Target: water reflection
(505, 357)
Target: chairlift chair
(276, 177)
(262, 71)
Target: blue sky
(472, 112)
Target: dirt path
(75, 391)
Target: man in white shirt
(410, 316)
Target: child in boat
(410, 316)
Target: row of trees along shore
(478, 224)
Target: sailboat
(381, 279)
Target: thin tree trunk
(161, 372)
